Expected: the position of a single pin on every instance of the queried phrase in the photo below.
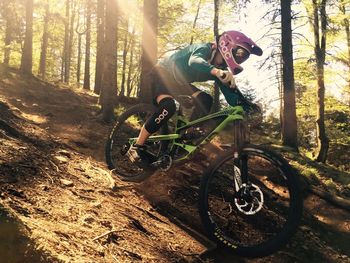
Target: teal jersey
(192, 64)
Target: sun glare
(129, 7)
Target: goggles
(240, 54)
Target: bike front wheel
(251, 204)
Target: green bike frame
(181, 123)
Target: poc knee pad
(166, 109)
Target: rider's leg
(165, 102)
(165, 110)
(203, 102)
(163, 85)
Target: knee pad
(166, 109)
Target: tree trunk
(149, 47)
(216, 102)
(99, 47)
(347, 32)
(320, 54)
(87, 46)
(289, 128)
(279, 70)
(7, 49)
(8, 33)
(80, 32)
(125, 53)
(108, 95)
(130, 69)
(62, 66)
(66, 43)
(44, 43)
(70, 40)
(79, 60)
(195, 20)
(27, 53)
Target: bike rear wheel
(261, 216)
(128, 125)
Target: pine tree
(109, 76)
(27, 52)
(289, 123)
(149, 47)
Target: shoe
(136, 153)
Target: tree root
(331, 198)
(10, 131)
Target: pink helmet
(235, 47)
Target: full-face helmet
(235, 47)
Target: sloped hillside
(65, 202)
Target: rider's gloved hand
(226, 77)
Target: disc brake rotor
(251, 200)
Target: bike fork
(244, 168)
(240, 171)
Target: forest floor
(59, 203)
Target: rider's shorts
(164, 83)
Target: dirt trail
(61, 197)
(54, 181)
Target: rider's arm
(231, 95)
(199, 60)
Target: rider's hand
(226, 77)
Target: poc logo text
(161, 116)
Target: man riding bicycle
(195, 63)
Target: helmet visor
(240, 54)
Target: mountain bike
(249, 197)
